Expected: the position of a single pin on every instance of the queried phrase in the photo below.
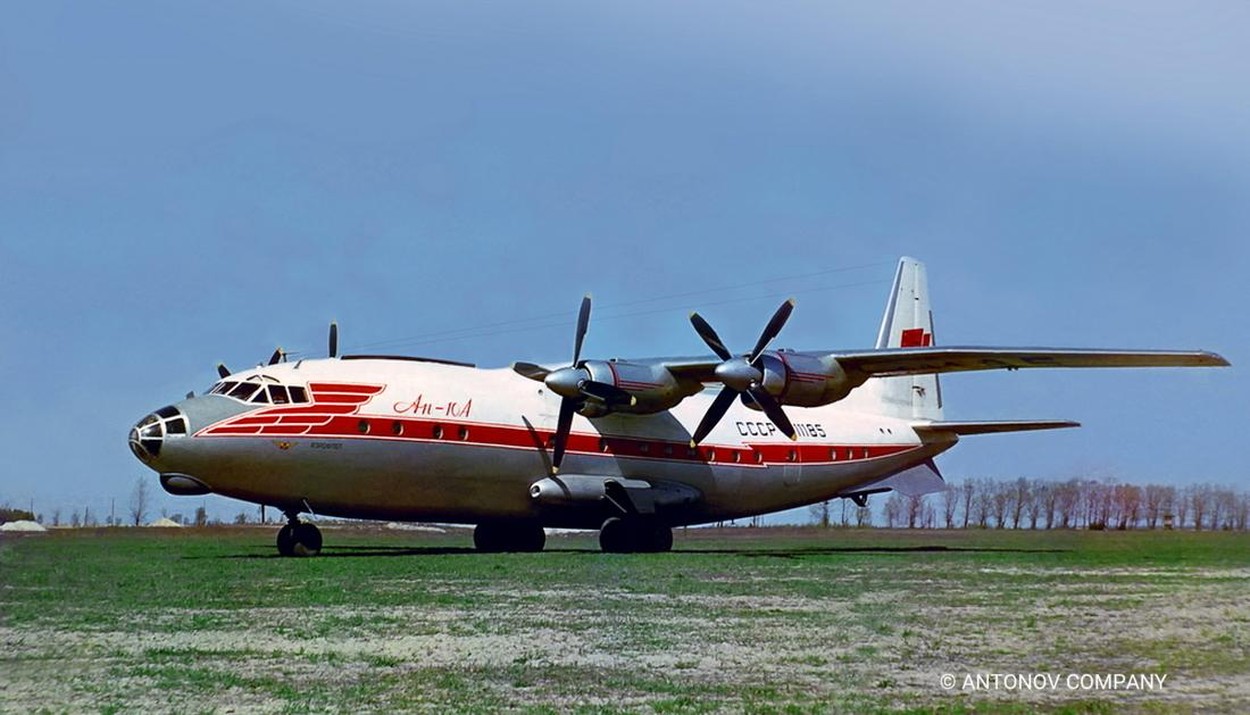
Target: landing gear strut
(298, 538)
(497, 537)
(624, 536)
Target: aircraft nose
(148, 436)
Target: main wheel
(531, 538)
(488, 538)
(286, 541)
(307, 538)
(658, 538)
(615, 537)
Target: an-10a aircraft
(631, 447)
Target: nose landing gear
(298, 538)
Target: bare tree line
(1042, 504)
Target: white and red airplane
(629, 447)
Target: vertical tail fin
(908, 323)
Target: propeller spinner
(742, 375)
(574, 385)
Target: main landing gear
(298, 538)
(497, 537)
(624, 536)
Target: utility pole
(112, 511)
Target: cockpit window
(277, 395)
(244, 390)
(252, 390)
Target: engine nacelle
(804, 380)
(652, 385)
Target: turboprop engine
(652, 387)
(803, 380)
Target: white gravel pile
(24, 526)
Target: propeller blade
(608, 394)
(719, 406)
(774, 326)
(583, 322)
(709, 336)
(334, 339)
(530, 370)
(223, 370)
(563, 425)
(773, 410)
(277, 355)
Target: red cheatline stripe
(319, 387)
(348, 427)
(305, 419)
(288, 430)
(255, 420)
(315, 409)
(233, 430)
(322, 398)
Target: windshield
(261, 389)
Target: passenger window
(277, 395)
(298, 395)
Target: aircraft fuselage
(417, 441)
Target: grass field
(747, 620)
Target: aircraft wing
(693, 369)
(923, 361)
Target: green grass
(746, 620)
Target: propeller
(334, 339)
(574, 384)
(277, 356)
(742, 375)
(223, 370)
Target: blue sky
(192, 182)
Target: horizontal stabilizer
(991, 427)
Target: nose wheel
(298, 538)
